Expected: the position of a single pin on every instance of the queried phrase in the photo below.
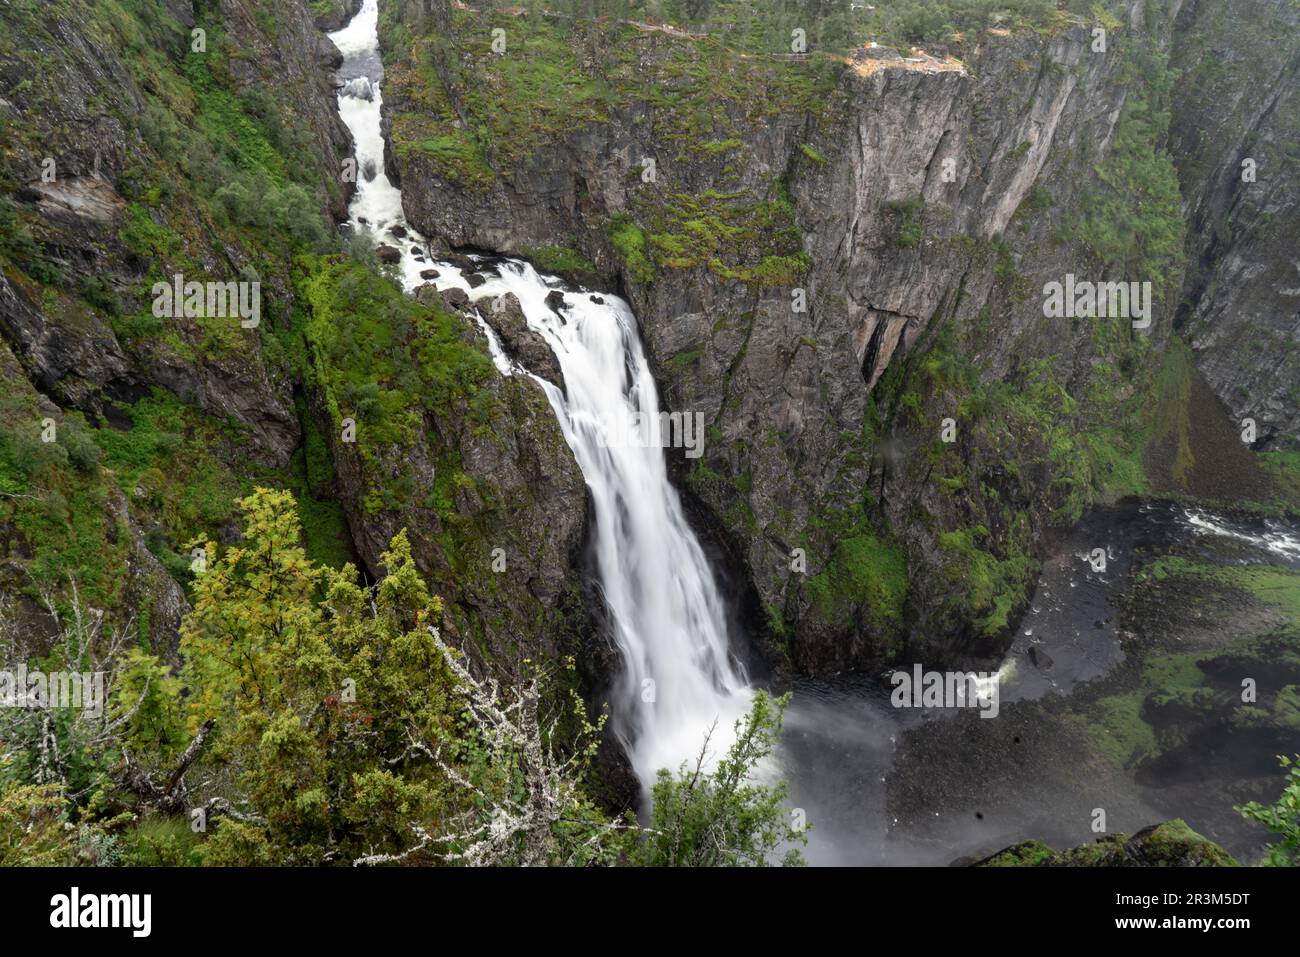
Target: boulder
(522, 343)
(1169, 844)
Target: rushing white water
(668, 615)
(1274, 537)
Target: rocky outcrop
(488, 492)
(1235, 113)
(1171, 844)
(75, 359)
(334, 14)
(520, 342)
(159, 600)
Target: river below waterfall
(884, 785)
(878, 784)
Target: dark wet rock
(388, 254)
(74, 361)
(399, 231)
(522, 343)
(428, 274)
(1039, 657)
(461, 262)
(475, 280)
(182, 10)
(327, 54)
(555, 300)
(598, 300)
(455, 297)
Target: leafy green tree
(348, 731)
(1281, 817)
(32, 833)
(147, 699)
(723, 818)
(315, 684)
(331, 723)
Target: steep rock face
(505, 547)
(427, 436)
(902, 204)
(137, 581)
(1233, 135)
(204, 140)
(111, 178)
(74, 153)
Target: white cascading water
(669, 619)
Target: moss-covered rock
(1170, 844)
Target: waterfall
(668, 616)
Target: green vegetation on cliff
(380, 357)
(867, 577)
(332, 724)
(215, 175)
(1281, 817)
(1133, 221)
